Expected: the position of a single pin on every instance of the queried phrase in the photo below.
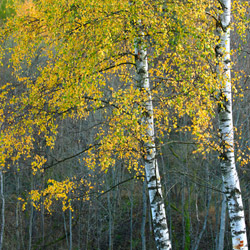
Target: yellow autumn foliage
(82, 45)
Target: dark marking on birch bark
(153, 188)
(235, 218)
(239, 232)
(234, 192)
(160, 244)
(157, 198)
(153, 178)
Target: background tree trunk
(3, 209)
(222, 223)
(144, 215)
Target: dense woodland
(112, 115)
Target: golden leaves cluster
(59, 191)
(65, 53)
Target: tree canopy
(71, 59)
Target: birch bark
(157, 206)
(227, 160)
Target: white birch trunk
(227, 160)
(157, 206)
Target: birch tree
(84, 45)
(157, 206)
(227, 157)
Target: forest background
(73, 131)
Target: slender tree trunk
(208, 199)
(17, 214)
(80, 225)
(19, 221)
(65, 229)
(183, 212)
(70, 229)
(149, 219)
(42, 217)
(88, 226)
(222, 223)
(217, 224)
(3, 210)
(110, 222)
(99, 227)
(131, 198)
(227, 157)
(144, 214)
(204, 224)
(31, 217)
(31, 226)
(156, 200)
(166, 181)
